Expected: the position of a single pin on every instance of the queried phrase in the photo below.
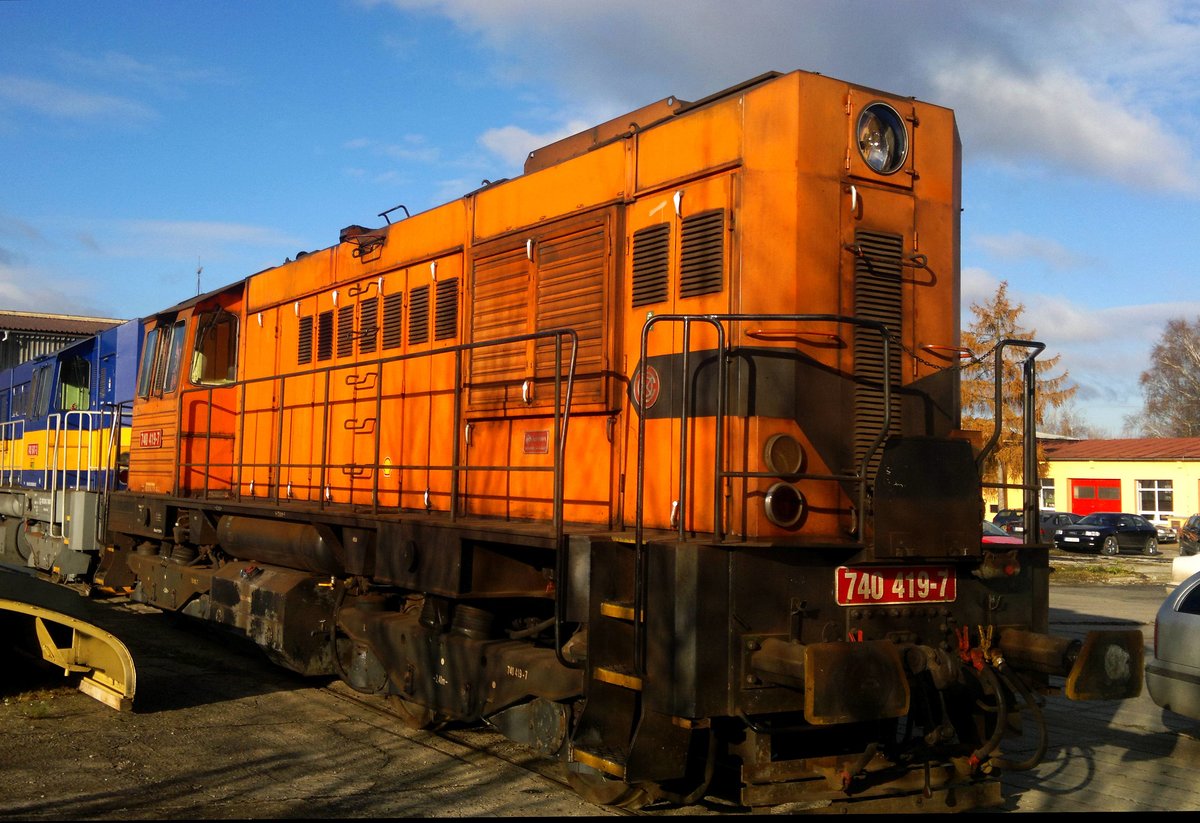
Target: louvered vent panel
(571, 295)
(500, 309)
(418, 315)
(345, 331)
(702, 254)
(651, 260)
(877, 296)
(304, 349)
(446, 311)
(393, 319)
(368, 325)
(325, 335)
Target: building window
(1047, 492)
(1156, 499)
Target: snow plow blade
(40, 618)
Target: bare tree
(996, 320)
(1171, 386)
(1066, 420)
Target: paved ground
(1111, 756)
(219, 732)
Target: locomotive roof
(23, 321)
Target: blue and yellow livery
(64, 442)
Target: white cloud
(1066, 122)
(1020, 246)
(66, 103)
(512, 144)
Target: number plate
(895, 584)
(1070, 539)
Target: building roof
(25, 321)
(1137, 448)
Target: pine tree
(997, 320)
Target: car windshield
(1099, 520)
(993, 530)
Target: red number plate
(895, 584)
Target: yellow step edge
(617, 609)
(617, 678)
(599, 763)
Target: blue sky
(140, 141)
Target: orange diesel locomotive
(649, 458)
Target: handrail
(85, 424)
(1030, 503)
(720, 472)
(238, 465)
(12, 432)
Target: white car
(1173, 673)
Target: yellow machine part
(67, 638)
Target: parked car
(1050, 521)
(1109, 533)
(1005, 517)
(1189, 536)
(1165, 533)
(993, 534)
(1173, 672)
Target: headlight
(1092, 533)
(784, 505)
(882, 139)
(783, 455)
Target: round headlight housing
(784, 505)
(783, 455)
(882, 138)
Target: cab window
(41, 390)
(174, 349)
(214, 359)
(160, 359)
(147, 367)
(75, 384)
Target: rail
(81, 465)
(226, 479)
(1030, 484)
(12, 435)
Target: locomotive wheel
(604, 791)
(414, 715)
(1110, 547)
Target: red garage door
(1089, 496)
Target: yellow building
(1156, 477)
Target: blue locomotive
(64, 443)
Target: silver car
(1173, 674)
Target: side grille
(418, 315)
(325, 335)
(368, 325)
(702, 261)
(304, 350)
(877, 296)
(446, 311)
(345, 331)
(393, 316)
(651, 259)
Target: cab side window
(214, 359)
(146, 369)
(75, 385)
(160, 359)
